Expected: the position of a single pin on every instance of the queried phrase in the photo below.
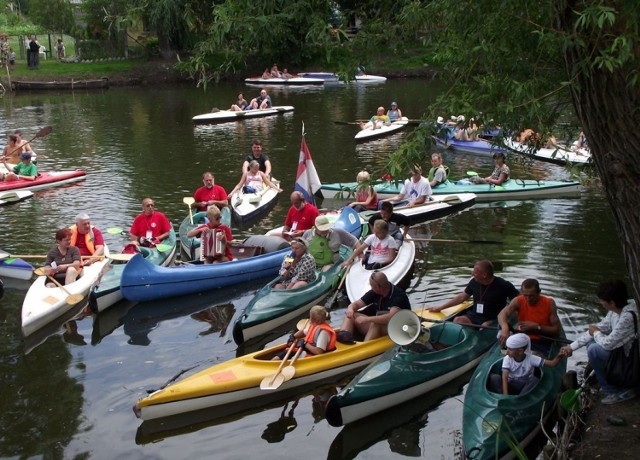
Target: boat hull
(226, 116)
(249, 206)
(485, 413)
(44, 180)
(368, 134)
(60, 85)
(559, 156)
(357, 282)
(15, 268)
(238, 380)
(43, 304)
(106, 292)
(271, 308)
(295, 81)
(401, 374)
(480, 146)
(142, 281)
(14, 196)
(513, 189)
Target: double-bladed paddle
(189, 200)
(42, 133)
(72, 299)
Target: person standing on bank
(616, 329)
(489, 292)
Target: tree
(52, 15)
(533, 64)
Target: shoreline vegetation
(144, 72)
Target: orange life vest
(315, 329)
(88, 238)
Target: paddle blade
(121, 257)
(39, 271)
(188, 200)
(44, 132)
(272, 382)
(288, 372)
(115, 231)
(74, 299)
(472, 173)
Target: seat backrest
(43, 50)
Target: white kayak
(368, 133)
(13, 196)
(294, 81)
(560, 155)
(358, 276)
(43, 304)
(225, 116)
(248, 206)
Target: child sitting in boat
(216, 237)
(518, 367)
(316, 337)
(384, 247)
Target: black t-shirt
(493, 298)
(395, 221)
(396, 298)
(262, 160)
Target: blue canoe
(258, 256)
(480, 146)
(11, 267)
(106, 292)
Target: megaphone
(404, 327)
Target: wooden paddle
(438, 240)
(189, 200)
(72, 299)
(270, 382)
(289, 371)
(42, 133)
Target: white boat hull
(368, 133)
(226, 116)
(43, 304)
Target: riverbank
(606, 430)
(147, 72)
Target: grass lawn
(51, 69)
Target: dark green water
(71, 396)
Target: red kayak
(45, 180)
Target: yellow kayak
(240, 379)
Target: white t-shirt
(521, 371)
(413, 190)
(380, 249)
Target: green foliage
(52, 15)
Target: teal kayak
(492, 421)
(512, 189)
(107, 292)
(271, 308)
(190, 245)
(407, 372)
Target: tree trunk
(607, 106)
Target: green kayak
(491, 422)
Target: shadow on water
(274, 431)
(147, 316)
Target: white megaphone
(404, 327)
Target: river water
(69, 392)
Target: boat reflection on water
(157, 429)
(216, 308)
(400, 426)
(109, 320)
